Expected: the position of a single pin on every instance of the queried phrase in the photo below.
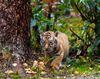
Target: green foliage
(16, 76)
(90, 13)
(86, 8)
(34, 41)
(40, 22)
(39, 19)
(2, 76)
(83, 66)
(85, 34)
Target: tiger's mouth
(48, 51)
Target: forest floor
(80, 68)
(76, 68)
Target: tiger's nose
(46, 46)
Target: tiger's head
(48, 41)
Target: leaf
(82, 1)
(76, 72)
(98, 8)
(83, 59)
(85, 27)
(90, 68)
(43, 73)
(25, 64)
(79, 51)
(29, 71)
(35, 63)
(41, 65)
(9, 72)
(97, 42)
(73, 5)
(90, 50)
(14, 64)
(97, 1)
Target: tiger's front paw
(55, 65)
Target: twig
(76, 35)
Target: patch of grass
(76, 24)
(88, 67)
(16, 76)
(2, 76)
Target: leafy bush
(90, 13)
(41, 22)
(86, 40)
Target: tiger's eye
(42, 43)
(51, 43)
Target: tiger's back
(63, 43)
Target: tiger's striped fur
(56, 44)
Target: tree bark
(15, 18)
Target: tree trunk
(14, 26)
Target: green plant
(90, 13)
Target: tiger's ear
(56, 33)
(40, 34)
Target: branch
(82, 15)
(76, 35)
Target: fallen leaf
(58, 77)
(35, 63)
(9, 72)
(41, 65)
(99, 66)
(90, 68)
(76, 72)
(43, 73)
(14, 64)
(29, 71)
(25, 64)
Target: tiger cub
(56, 44)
